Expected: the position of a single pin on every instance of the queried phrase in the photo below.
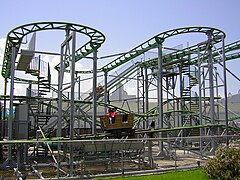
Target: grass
(197, 174)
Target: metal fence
(54, 159)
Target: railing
(106, 157)
(34, 65)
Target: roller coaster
(177, 103)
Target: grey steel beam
(105, 91)
(79, 87)
(10, 120)
(94, 94)
(72, 108)
(5, 104)
(146, 93)
(138, 97)
(225, 89)
(217, 95)
(160, 94)
(143, 97)
(65, 45)
(211, 86)
(181, 97)
(200, 100)
(60, 93)
(72, 70)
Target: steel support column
(181, 97)
(211, 86)
(143, 98)
(146, 94)
(5, 102)
(160, 93)
(94, 103)
(60, 93)
(200, 100)
(105, 92)
(64, 55)
(79, 87)
(72, 72)
(4, 109)
(79, 98)
(138, 95)
(225, 89)
(10, 120)
(72, 108)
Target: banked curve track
(154, 41)
(15, 37)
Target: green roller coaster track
(158, 39)
(181, 122)
(188, 51)
(168, 58)
(15, 37)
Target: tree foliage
(225, 165)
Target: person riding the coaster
(112, 113)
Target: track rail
(188, 51)
(15, 37)
(158, 39)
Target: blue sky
(125, 23)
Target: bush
(225, 165)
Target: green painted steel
(178, 128)
(96, 39)
(53, 139)
(154, 41)
(188, 51)
(15, 37)
(90, 137)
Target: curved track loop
(15, 37)
(158, 39)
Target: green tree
(225, 165)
